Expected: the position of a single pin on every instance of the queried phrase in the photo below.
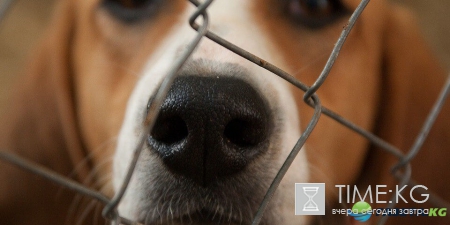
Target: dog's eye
(131, 10)
(315, 13)
(131, 4)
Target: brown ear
(40, 125)
(412, 81)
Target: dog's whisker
(101, 180)
(76, 203)
(148, 217)
(169, 213)
(249, 212)
(79, 197)
(240, 215)
(230, 213)
(155, 211)
(75, 207)
(310, 63)
(214, 214)
(89, 208)
(161, 219)
(188, 207)
(166, 211)
(106, 185)
(91, 155)
(161, 211)
(97, 214)
(71, 215)
(174, 201)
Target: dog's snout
(210, 127)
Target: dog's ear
(39, 124)
(412, 79)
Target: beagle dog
(226, 125)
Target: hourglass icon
(310, 204)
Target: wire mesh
(401, 171)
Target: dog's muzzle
(210, 128)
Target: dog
(226, 125)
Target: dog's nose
(210, 127)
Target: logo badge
(310, 199)
(360, 211)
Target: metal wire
(48, 174)
(155, 105)
(335, 53)
(4, 8)
(110, 210)
(59, 179)
(426, 127)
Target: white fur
(231, 20)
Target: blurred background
(25, 21)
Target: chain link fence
(401, 171)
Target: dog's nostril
(244, 133)
(169, 130)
